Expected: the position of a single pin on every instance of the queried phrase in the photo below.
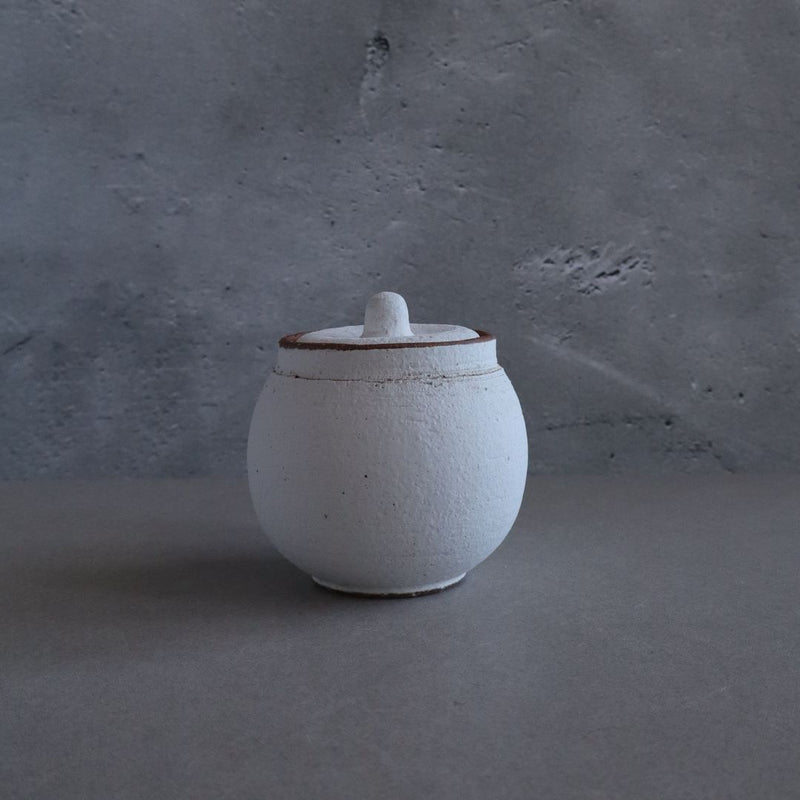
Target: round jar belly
(387, 487)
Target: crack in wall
(377, 56)
(17, 345)
(590, 270)
(608, 420)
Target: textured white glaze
(388, 470)
(386, 314)
(386, 322)
(476, 356)
(420, 332)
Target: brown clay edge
(291, 342)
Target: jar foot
(414, 591)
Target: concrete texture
(611, 187)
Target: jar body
(387, 487)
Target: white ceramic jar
(388, 458)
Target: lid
(387, 347)
(386, 322)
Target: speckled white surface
(381, 479)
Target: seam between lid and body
(422, 376)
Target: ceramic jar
(388, 458)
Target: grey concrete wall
(611, 187)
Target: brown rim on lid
(291, 341)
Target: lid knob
(386, 315)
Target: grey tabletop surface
(632, 638)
